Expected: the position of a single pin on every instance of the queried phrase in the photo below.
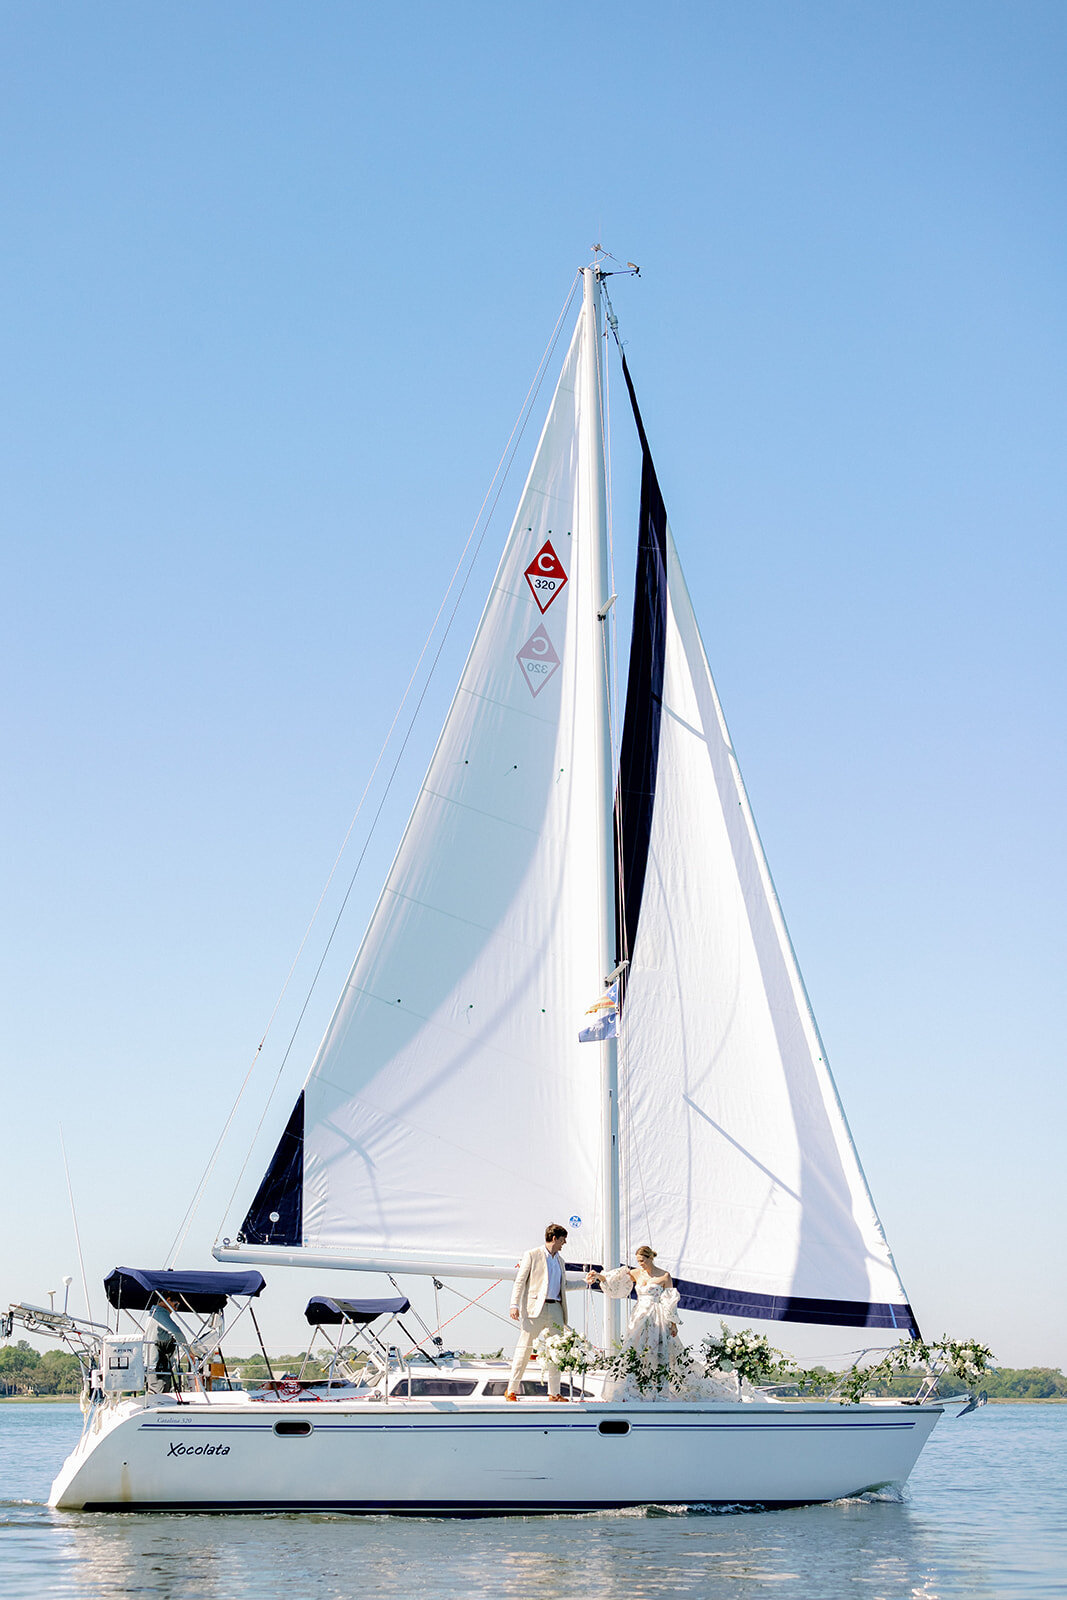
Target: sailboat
(554, 864)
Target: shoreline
(38, 1399)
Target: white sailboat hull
(434, 1457)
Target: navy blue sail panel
(137, 1288)
(788, 1308)
(321, 1309)
(795, 1308)
(276, 1215)
(639, 755)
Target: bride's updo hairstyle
(646, 1250)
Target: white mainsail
(451, 1111)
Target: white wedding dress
(649, 1334)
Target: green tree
(58, 1372)
(18, 1363)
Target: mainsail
(741, 1169)
(451, 1110)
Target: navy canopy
(135, 1289)
(320, 1309)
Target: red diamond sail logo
(546, 576)
(538, 660)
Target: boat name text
(199, 1450)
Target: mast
(594, 488)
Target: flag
(606, 1018)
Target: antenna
(631, 269)
(77, 1235)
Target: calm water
(985, 1515)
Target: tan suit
(530, 1298)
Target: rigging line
(468, 1303)
(631, 1146)
(514, 441)
(611, 669)
(74, 1219)
(419, 1319)
(610, 655)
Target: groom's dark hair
(554, 1231)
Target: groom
(539, 1301)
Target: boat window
(292, 1430)
(498, 1386)
(424, 1388)
(614, 1425)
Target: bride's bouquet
(568, 1350)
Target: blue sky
(276, 281)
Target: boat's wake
(890, 1494)
(894, 1494)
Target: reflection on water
(846, 1550)
(983, 1519)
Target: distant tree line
(1026, 1383)
(24, 1370)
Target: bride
(652, 1332)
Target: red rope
(460, 1312)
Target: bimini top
(138, 1289)
(320, 1309)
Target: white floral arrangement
(749, 1356)
(639, 1368)
(661, 1379)
(568, 1350)
(753, 1359)
(966, 1359)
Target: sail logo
(538, 660)
(546, 576)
